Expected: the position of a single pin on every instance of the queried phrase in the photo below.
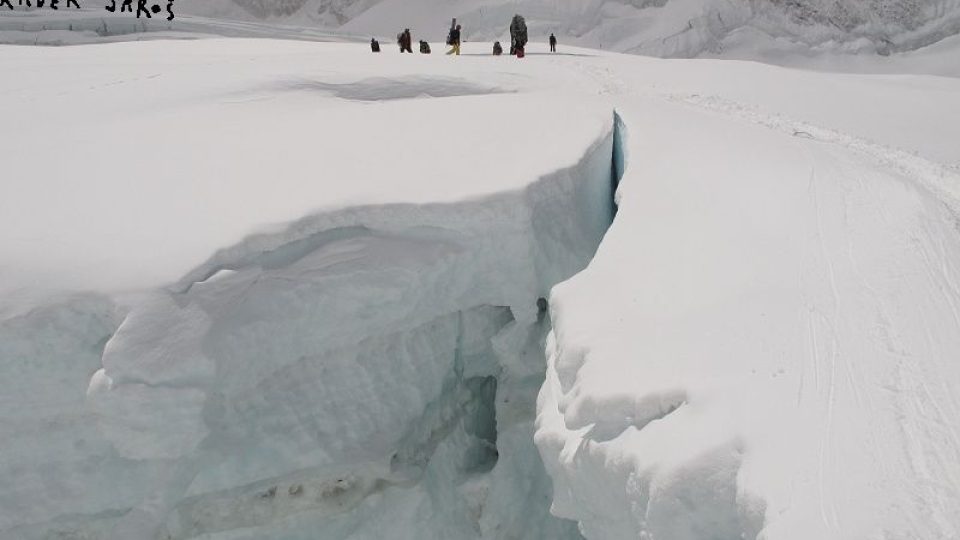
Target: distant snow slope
(672, 28)
(805, 33)
(268, 289)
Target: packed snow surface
(160, 156)
(781, 354)
(270, 289)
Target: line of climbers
(518, 40)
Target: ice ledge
(337, 332)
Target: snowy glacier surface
(268, 289)
(312, 314)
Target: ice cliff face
(369, 372)
(54, 461)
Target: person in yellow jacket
(455, 41)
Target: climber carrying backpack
(405, 41)
(455, 41)
(518, 36)
(453, 26)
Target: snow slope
(671, 28)
(764, 344)
(141, 210)
(336, 334)
(779, 352)
(835, 35)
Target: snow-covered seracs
(312, 370)
(368, 371)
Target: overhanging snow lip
(389, 218)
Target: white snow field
(889, 36)
(264, 289)
(771, 29)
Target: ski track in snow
(942, 180)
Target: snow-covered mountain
(670, 28)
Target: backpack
(518, 30)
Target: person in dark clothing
(455, 41)
(497, 48)
(553, 43)
(453, 26)
(374, 45)
(424, 47)
(518, 35)
(405, 41)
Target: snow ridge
(941, 180)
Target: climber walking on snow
(553, 43)
(518, 35)
(405, 41)
(453, 26)
(455, 41)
